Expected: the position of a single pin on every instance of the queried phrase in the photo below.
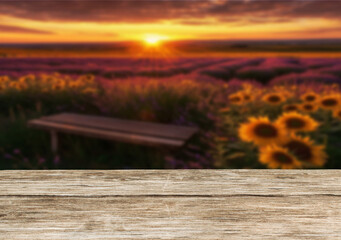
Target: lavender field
(280, 112)
(264, 70)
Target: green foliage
(187, 103)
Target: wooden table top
(170, 204)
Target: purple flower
(16, 151)
(41, 160)
(56, 160)
(8, 156)
(195, 165)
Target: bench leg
(54, 141)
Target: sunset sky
(30, 21)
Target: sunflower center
(308, 107)
(274, 99)
(339, 113)
(247, 97)
(296, 123)
(291, 108)
(310, 98)
(235, 99)
(282, 157)
(266, 130)
(329, 102)
(300, 150)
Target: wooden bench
(145, 133)
(170, 204)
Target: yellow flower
(262, 132)
(296, 122)
(330, 102)
(224, 110)
(74, 84)
(4, 79)
(27, 79)
(15, 85)
(87, 78)
(247, 86)
(247, 96)
(337, 114)
(274, 98)
(290, 107)
(306, 151)
(59, 85)
(90, 90)
(335, 86)
(308, 107)
(310, 97)
(222, 139)
(278, 157)
(236, 98)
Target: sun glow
(153, 40)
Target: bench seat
(137, 132)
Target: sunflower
(14, 84)
(295, 122)
(262, 132)
(90, 90)
(224, 110)
(308, 107)
(4, 79)
(278, 157)
(274, 98)
(310, 97)
(290, 107)
(236, 98)
(330, 102)
(58, 85)
(247, 86)
(306, 151)
(337, 114)
(247, 96)
(74, 84)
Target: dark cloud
(15, 29)
(157, 10)
(99, 10)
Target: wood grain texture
(170, 204)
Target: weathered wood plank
(170, 204)
(170, 182)
(124, 126)
(236, 217)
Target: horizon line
(175, 41)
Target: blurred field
(217, 94)
(179, 49)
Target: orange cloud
(117, 20)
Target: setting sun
(153, 40)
